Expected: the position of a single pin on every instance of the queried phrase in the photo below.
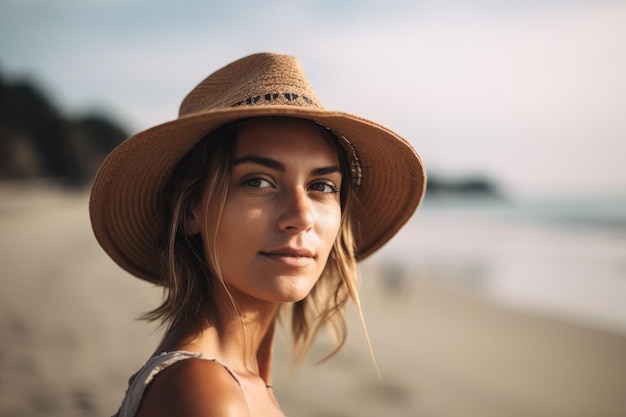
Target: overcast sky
(531, 93)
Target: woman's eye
(323, 187)
(257, 183)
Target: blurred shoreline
(561, 258)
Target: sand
(69, 338)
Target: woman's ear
(193, 222)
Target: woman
(255, 200)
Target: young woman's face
(282, 213)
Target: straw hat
(126, 192)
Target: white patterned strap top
(140, 381)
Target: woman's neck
(241, 338)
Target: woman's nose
(296, 214)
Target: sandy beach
(69, 338)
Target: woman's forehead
(283, 135)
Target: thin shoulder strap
(140, 381)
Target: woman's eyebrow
(260, 160)
(279, 166)
(327, 170)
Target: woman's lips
(291, 257)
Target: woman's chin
(292, 294)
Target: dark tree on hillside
(37, 141)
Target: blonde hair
(187, 275)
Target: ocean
(562, 258)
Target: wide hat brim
(126, 193)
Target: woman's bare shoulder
(194, 387)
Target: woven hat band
(270, 80)
(278, 98)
